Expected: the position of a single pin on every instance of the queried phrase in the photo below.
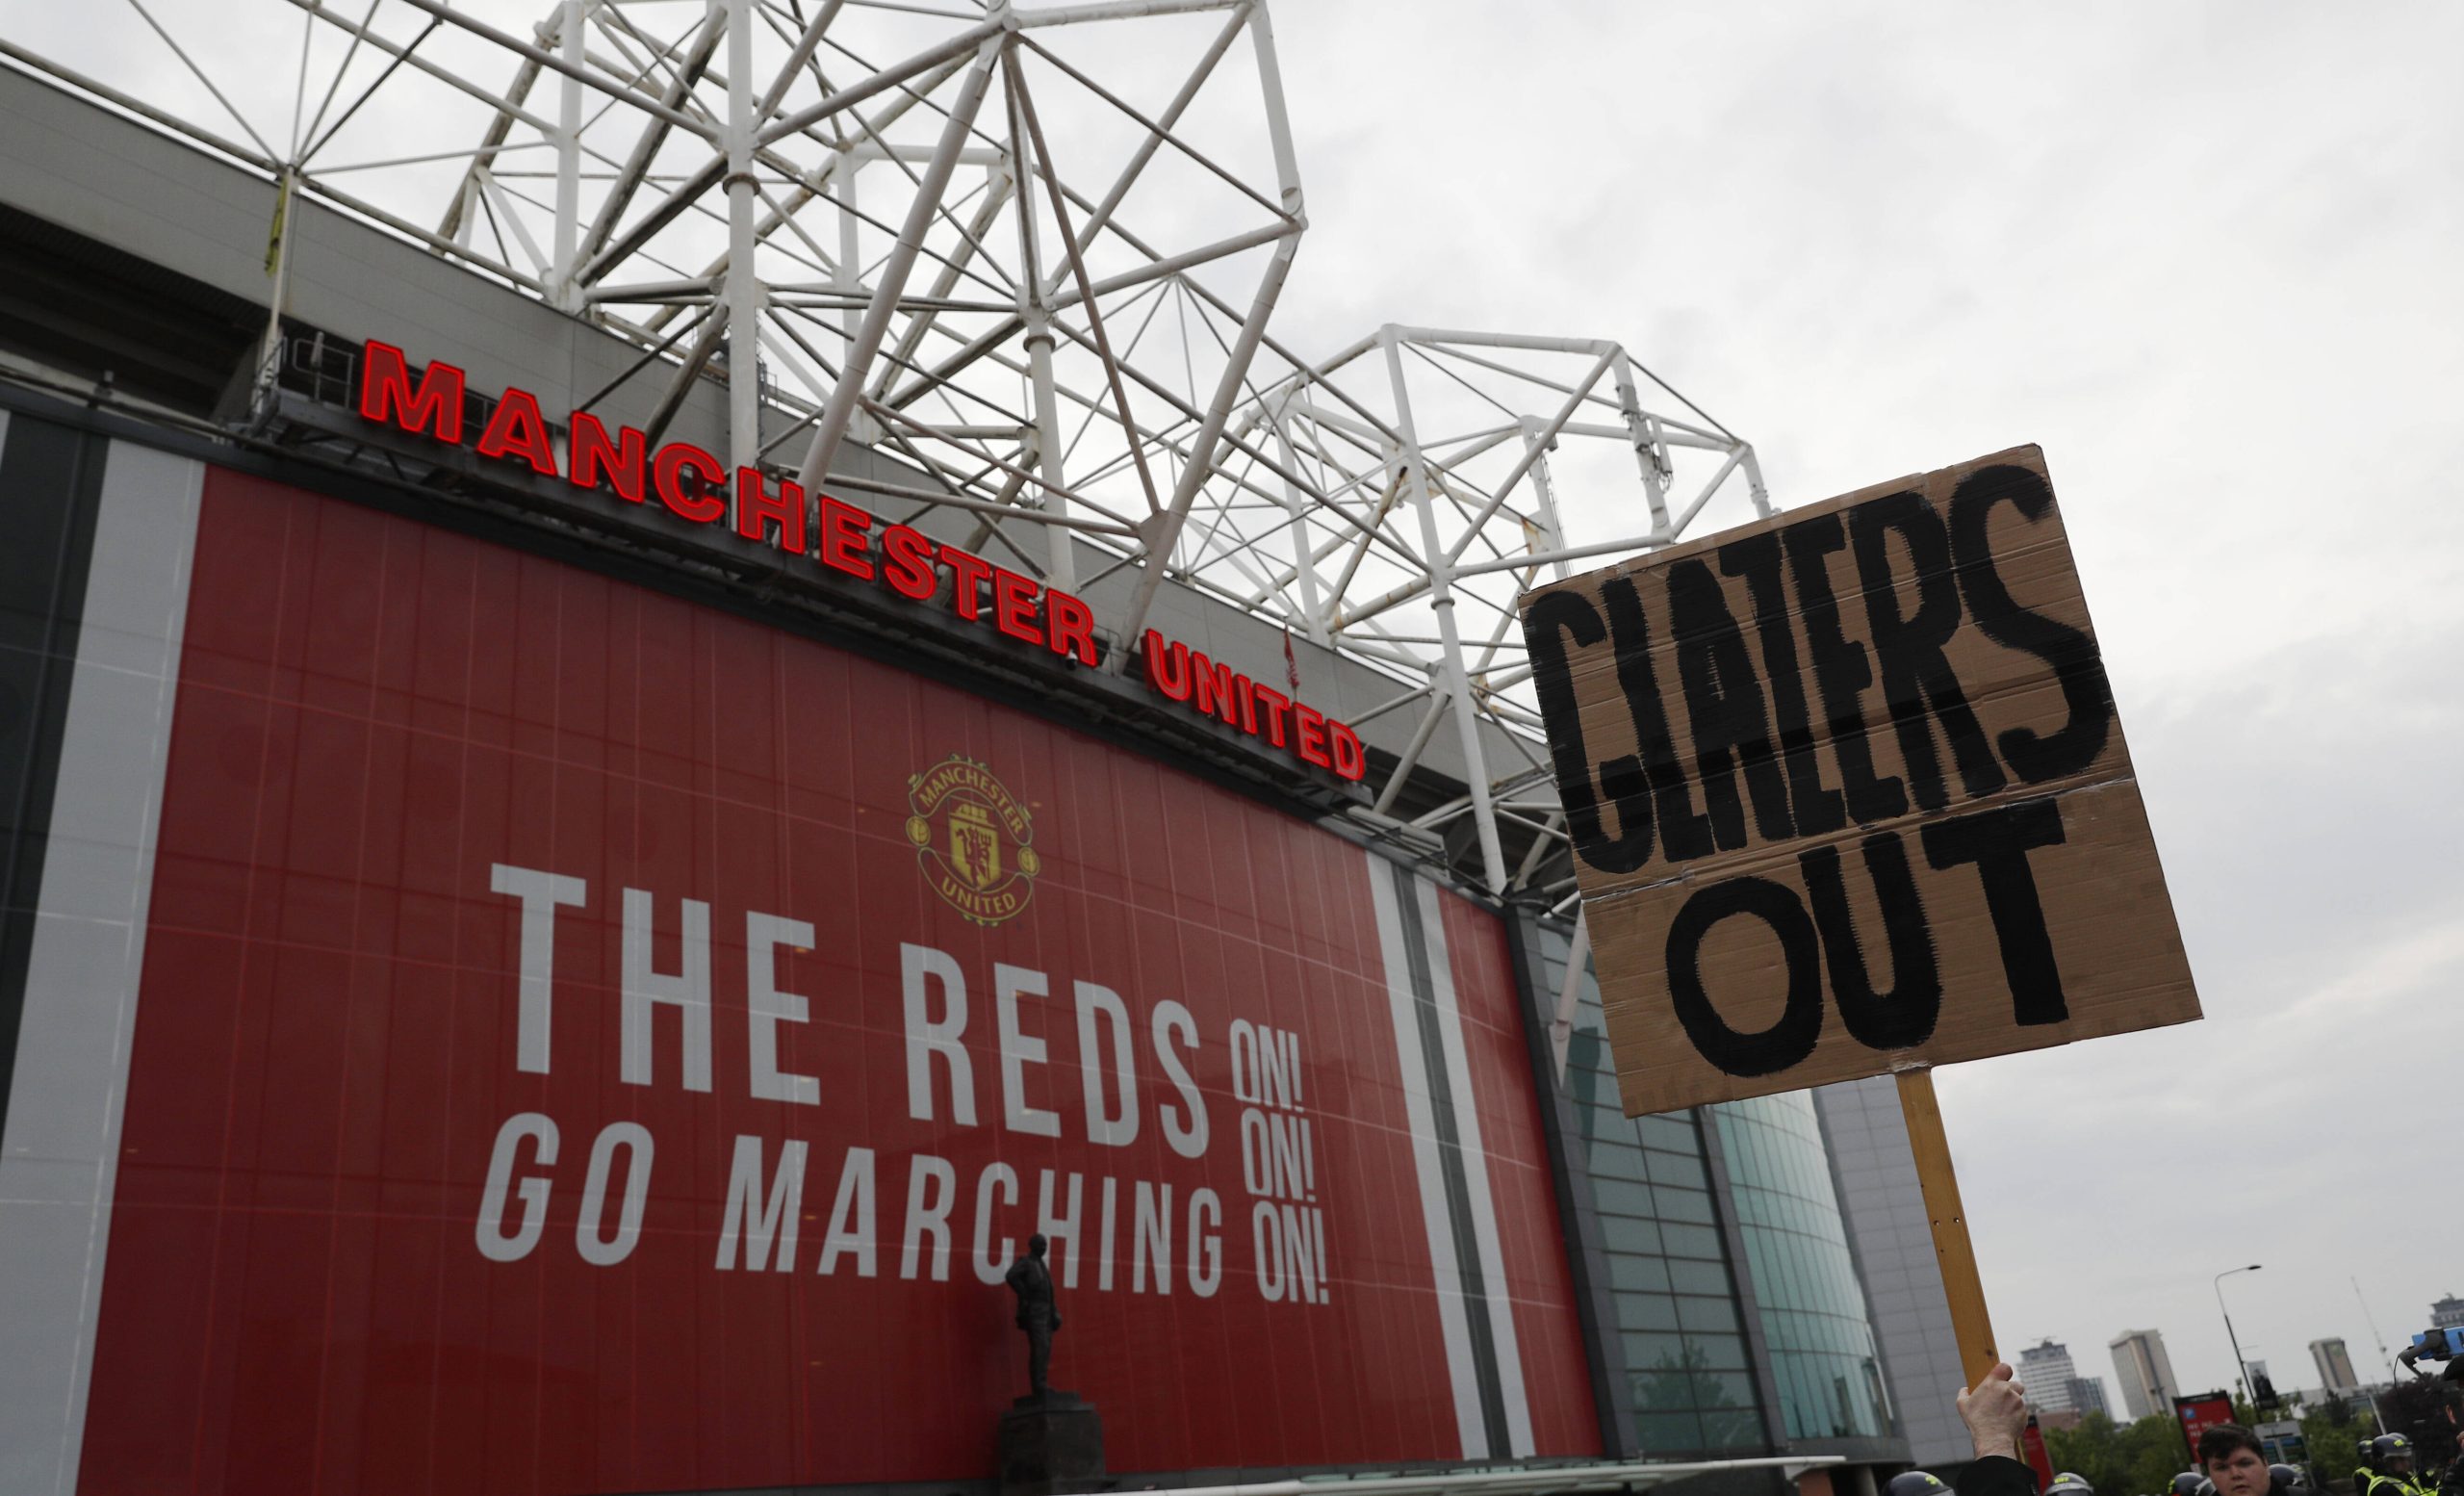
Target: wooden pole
(1971, 1325)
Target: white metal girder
(1055, 306)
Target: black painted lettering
(1816, 806)
(1908, 647)
(1732, 728)
(1799, 1026)
(1904, 1016)
(2032, 755)
(1998, 842)
(1683, 832)
(1842, 672)
(1554, 618)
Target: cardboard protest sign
(1847, 793)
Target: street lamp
(2241, 1368)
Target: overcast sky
(2208, 257)
(2212, 259)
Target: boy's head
(2233, 1460)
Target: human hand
(1994, 1413)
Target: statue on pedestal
(1032, 1281)
(1052, 1443)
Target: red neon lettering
(1350, 761)
(703, 501)
(517, 429)
(1218, 692)
(1272, 701)
(907, 562)
(595, 461)
(385, 394)
(1072, 624)
(786, 507)
(1310, 742)
(1168, 669)
(1014, 606)
(968, 573)
(843, 527)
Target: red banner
(591, 1041)
(2037, 1458)
(2198, 1414)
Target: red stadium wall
(1530, 1230)
(342, 1258)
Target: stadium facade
(525, 974)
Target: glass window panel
(1697, 1278)
(1674, 1134)
(1617, 1161)
(1668, 1433)
(1655, 1369)
(1645, 1311)
(1630, 1233)
(1602, 1109)
(1647, 1274)
(1587, 1123)
(1684, 1205)
(1661, 1391)
(1718, 1353)
(1701, 1313)
(1621, 1197)
(1733, 1429)
(1680, 1239)
(1682, 1170)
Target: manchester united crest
(972, 839)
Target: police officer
(2065, 1483)
(2391, 1461)
(1915, 1482)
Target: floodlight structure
(1421, 483)
(1029, 252)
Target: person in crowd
(2451, 1481)
(1995, 1411)
(2390, 1458)
(2233, 1459)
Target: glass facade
(1815, 1322)
(1666, 1260)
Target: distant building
(2448, 1313)
(2087, 1395)
(2145, 1372)
(2335, 1367)
(2046, 1373)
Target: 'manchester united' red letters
(691, 484)
(1220, 691)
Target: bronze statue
(1032, 1281)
